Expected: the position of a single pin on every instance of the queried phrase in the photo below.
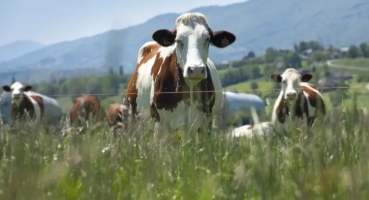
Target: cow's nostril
(190, 71)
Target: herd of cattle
(177, 84)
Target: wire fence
(321, 89)
(203, 91)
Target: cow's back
(52, 110)
(140, 85)
(219, 98)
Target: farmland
(92, 163)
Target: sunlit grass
(330, 163)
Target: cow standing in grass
(86, 107)
(297, 98)
(27, 104)
(118, 115)
(172, 68)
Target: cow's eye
(284, 81)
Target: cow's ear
(306, 77)
(222, 39)
(27, 88)
(164, 37)
(276, 77)
(6, 88)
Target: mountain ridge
(256, 24)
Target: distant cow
(260, 129)
(172, 68)
(25, 103)
(118, 115)
(86, 107)
(297, 97)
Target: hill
(18, 48)
(257, 25)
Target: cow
(26, 103)
(118, 115)
(86, 107)
(297, 98)
(172, 71)
(261, 129)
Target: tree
(270, 54)
(251, 54)
(326, 71)
(255, 72)
(13, 80)
(111, 71)
(294, 60)
(353, 51)
(254, 85)
(303, 46)
(364, 48)
(315, 45)
(121, 72)
(296, 48)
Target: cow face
(192, 37)
(290, 80)
(17, 90)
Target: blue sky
(52, 21)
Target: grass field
(355, 63)
(330, 164)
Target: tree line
(246, 69)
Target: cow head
(17, 90)
(290, 80)
(192, 37)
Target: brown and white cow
(118, 115)
(25, 103)
(172, 68)
(297, 98)
(86, 107)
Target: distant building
(344, 49)
(336, 55)
(341, 75)
(327, 84)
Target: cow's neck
(22, 107)
(187, 88)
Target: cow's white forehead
(191, 20)
(290, 74)
(16, 85)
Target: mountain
(258, 24)
(18, 48)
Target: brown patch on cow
(148, 52)
(282, 110)
(40, 103)
(168, 82)
(170, 79)
(85, 107)
(315, 100)
(313, 86)
(301, 108)
(26, 107)
(117, 113)
(250, 127)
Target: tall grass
(331, 163)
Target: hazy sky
(51, 21)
